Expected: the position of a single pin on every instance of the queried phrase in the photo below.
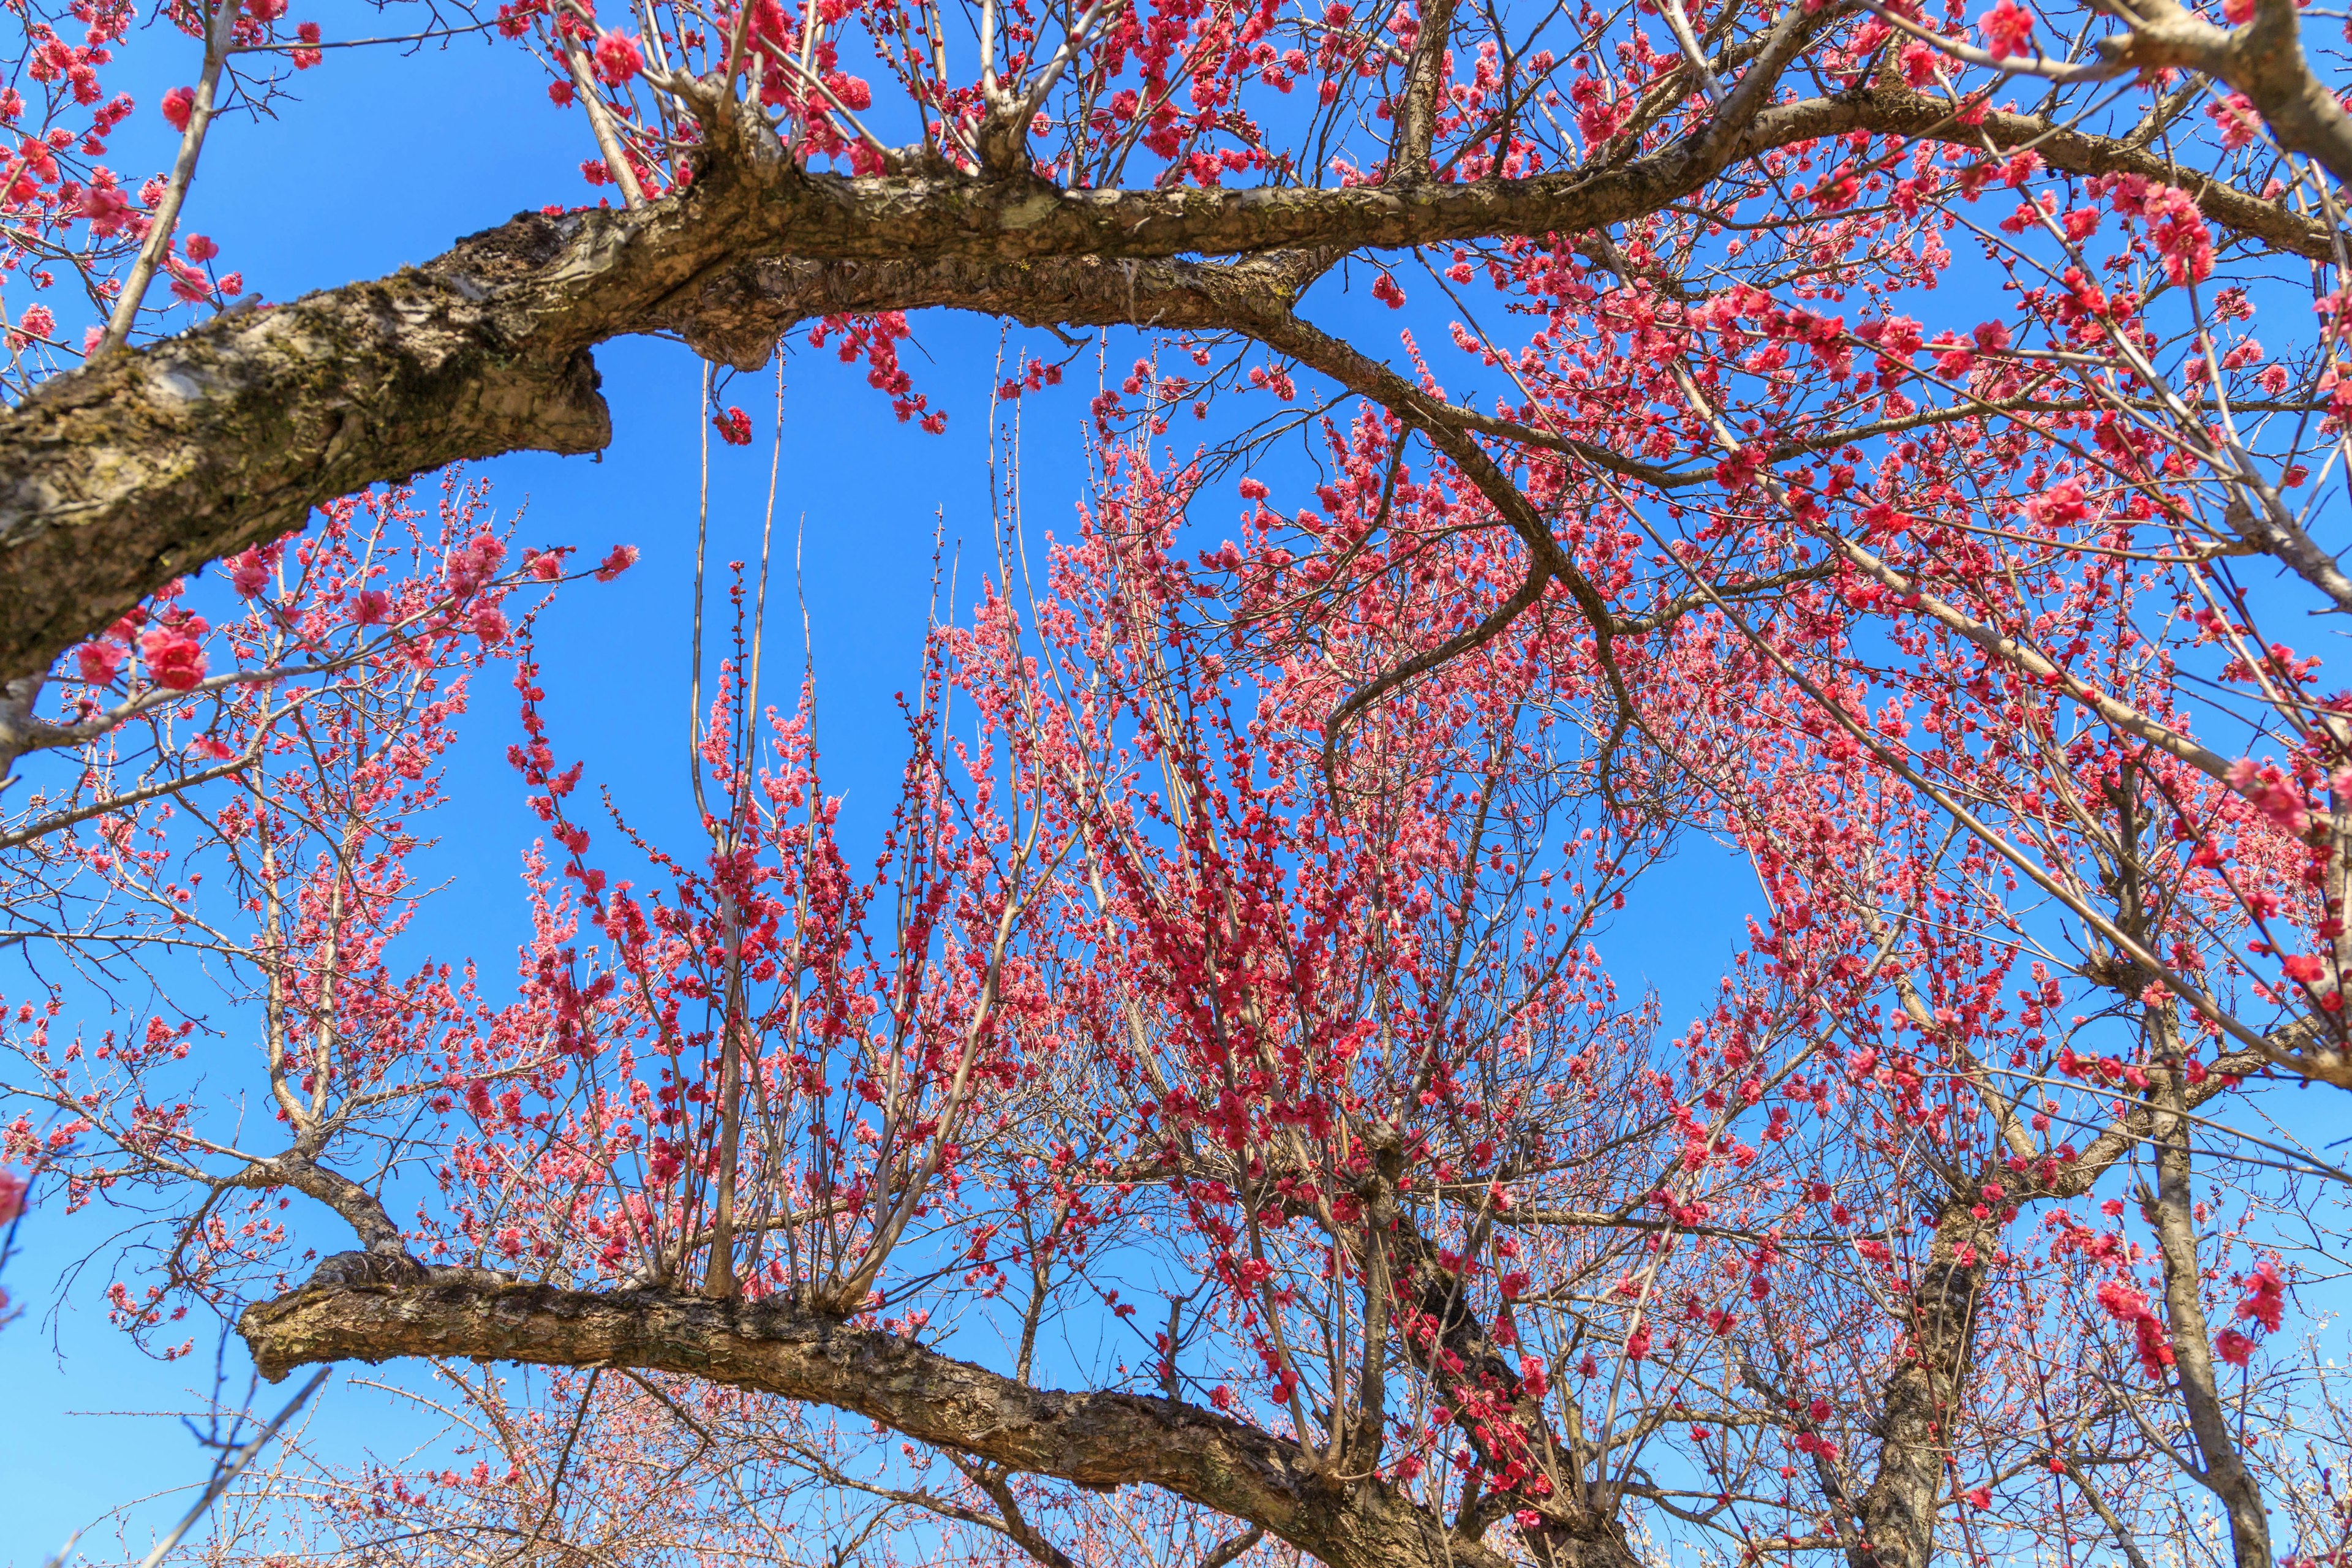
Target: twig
(229, 1469)
(160, 227)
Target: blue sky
(387, 160)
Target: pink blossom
(475, 563)
(2262, 1299)
(175, 654)
(2058, 506)
(2272, 794)
(2130, 1307)
(617, 60)
(2238, 120)
(622, 558)
(100, 662)
(105, 205)
(178, 105)
(2008, 29)
(250, 573)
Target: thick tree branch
(1416, 109)
(1100, 1440)
(144, 465)
(2263, 59)
(1490, 1404)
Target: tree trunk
(2170, 1209)
(1898, 1513)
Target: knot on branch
(372, 1268)
(396, 1268)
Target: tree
(1236, 955)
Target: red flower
(107, 209)
(99, 661)
(617, 60)
(175, 659)
(250, 573)
(2262, 1299)
(2008, 29)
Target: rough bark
(1416, 111)
(1897, 1512)
(2263, 59)
(1489, 1400)
(144, 465)
(1097, 1440)
(2170, 1209)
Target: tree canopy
(1213, 1130)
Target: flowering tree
(1232, 983)
(281, 755)
(1155, 988)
